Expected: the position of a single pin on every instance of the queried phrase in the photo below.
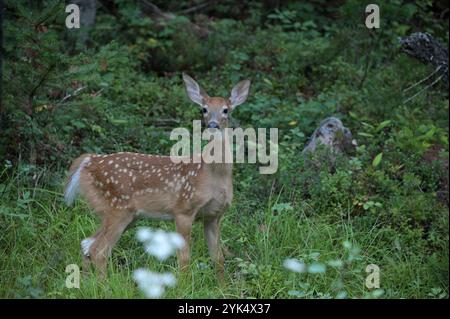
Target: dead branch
(428, 50)
(68, 96)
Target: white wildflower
(176, 240)
(153, 284)
(317, 268)
(159, 243)
(294, 265)
(144, 234)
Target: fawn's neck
(224, 166)
(222, 169)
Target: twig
(423, 80)
(169, 120)
(68, 96)
(98, 92)
(412, 97)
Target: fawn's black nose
(213, 125)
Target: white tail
(122, 186)
(73, 185)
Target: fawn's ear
(239, 93)
(193, 90)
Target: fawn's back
(149, 185)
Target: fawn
(121, 186)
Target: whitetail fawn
(124, 185)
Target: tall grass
(40, 236)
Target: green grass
(39, 243)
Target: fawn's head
(216, 110)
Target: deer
(120, 187)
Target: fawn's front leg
(183, 225)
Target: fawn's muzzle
(213, 125)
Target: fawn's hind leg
(85, 249)
(99, 247)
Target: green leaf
(430, 133)
(353, 115)
(336, 263)
(78, 124)
(377, 160)
(118, 121)
(383, 124)
(296, 293)
(367, 124)
(282, 207)
(365, 134)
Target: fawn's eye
(204, 110)
(225, 111)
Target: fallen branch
(426, 49)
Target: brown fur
(121, 186)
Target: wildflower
(159, 243)
(294, 265)
(316, 268)
(153, 284)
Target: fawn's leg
(86, 246)
(112, 228)
(212, 235)
(183, 225)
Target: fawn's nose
(213, 125)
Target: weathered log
(425, 48)
(334, 135)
